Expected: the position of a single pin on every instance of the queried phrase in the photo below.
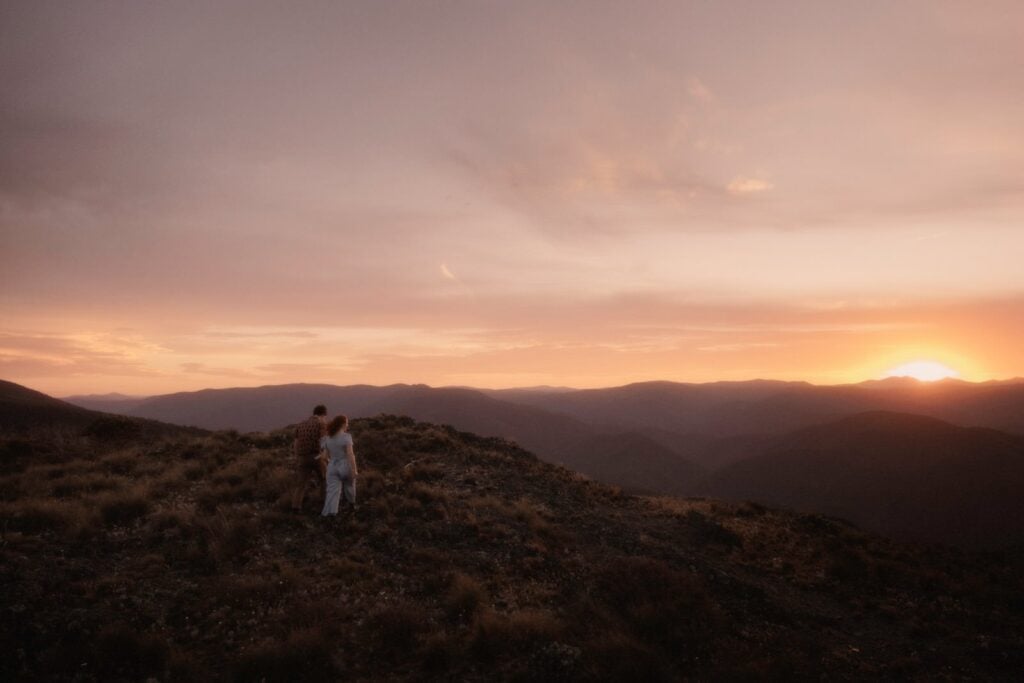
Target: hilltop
(470, 559)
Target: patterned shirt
(307, 436)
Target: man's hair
(320, 410)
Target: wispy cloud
(742, 185)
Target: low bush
(495, 633)
(422, 471)
(616, 656)
(396, 626)
(37, 516)
(465, 597)
(113, 429)
(306, 655)
(662, 607)
(708, 531)
(77, 484)
(122, 653)
(124, 507)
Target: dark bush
(123, 653)
(396, 626)
(616, 656)
(847, 565)
(707, 531)
(307, 655)
(15, 455)
(465, 597)
(124, 507)
(495, 633)
(113, 429)
(659, 605)
(35, 516)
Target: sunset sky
(508, 193)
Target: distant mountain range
(939, 461)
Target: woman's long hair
(336, 425)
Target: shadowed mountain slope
(634, 462)
(469, 559)
(21, 407)
(909, 476)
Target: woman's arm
(351, 453)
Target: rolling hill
(907, 476)
(23, 409)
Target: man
(306, 449)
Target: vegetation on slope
(174, 557)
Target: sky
(503, 194)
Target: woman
(341, 465)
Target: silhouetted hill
(908, 476)
(37, 427)
(469, 559)
(22, 408)
(107, 403)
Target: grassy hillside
(469, 559)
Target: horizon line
(555, 388)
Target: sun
(923, 370)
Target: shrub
(36, 516)
(438, 652)
(847, 565)
(617, 656)
(76, 484)
(307, 654)
(124, 506)
(493, 633)
(396, 626)
(15, 455)
(659, 605)
(422, 471)
(425, 493)
(465, 597)
(122, 652)
(707, 531)
(120, 463)
(113, 429)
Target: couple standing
(324, 450)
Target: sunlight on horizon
(923, 370)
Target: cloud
(446, 273)
(699, 91)
(39, 354)
(742, 185)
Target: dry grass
(124, 506)
(471, 561)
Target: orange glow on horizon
(924, 371)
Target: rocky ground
(175, 558)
